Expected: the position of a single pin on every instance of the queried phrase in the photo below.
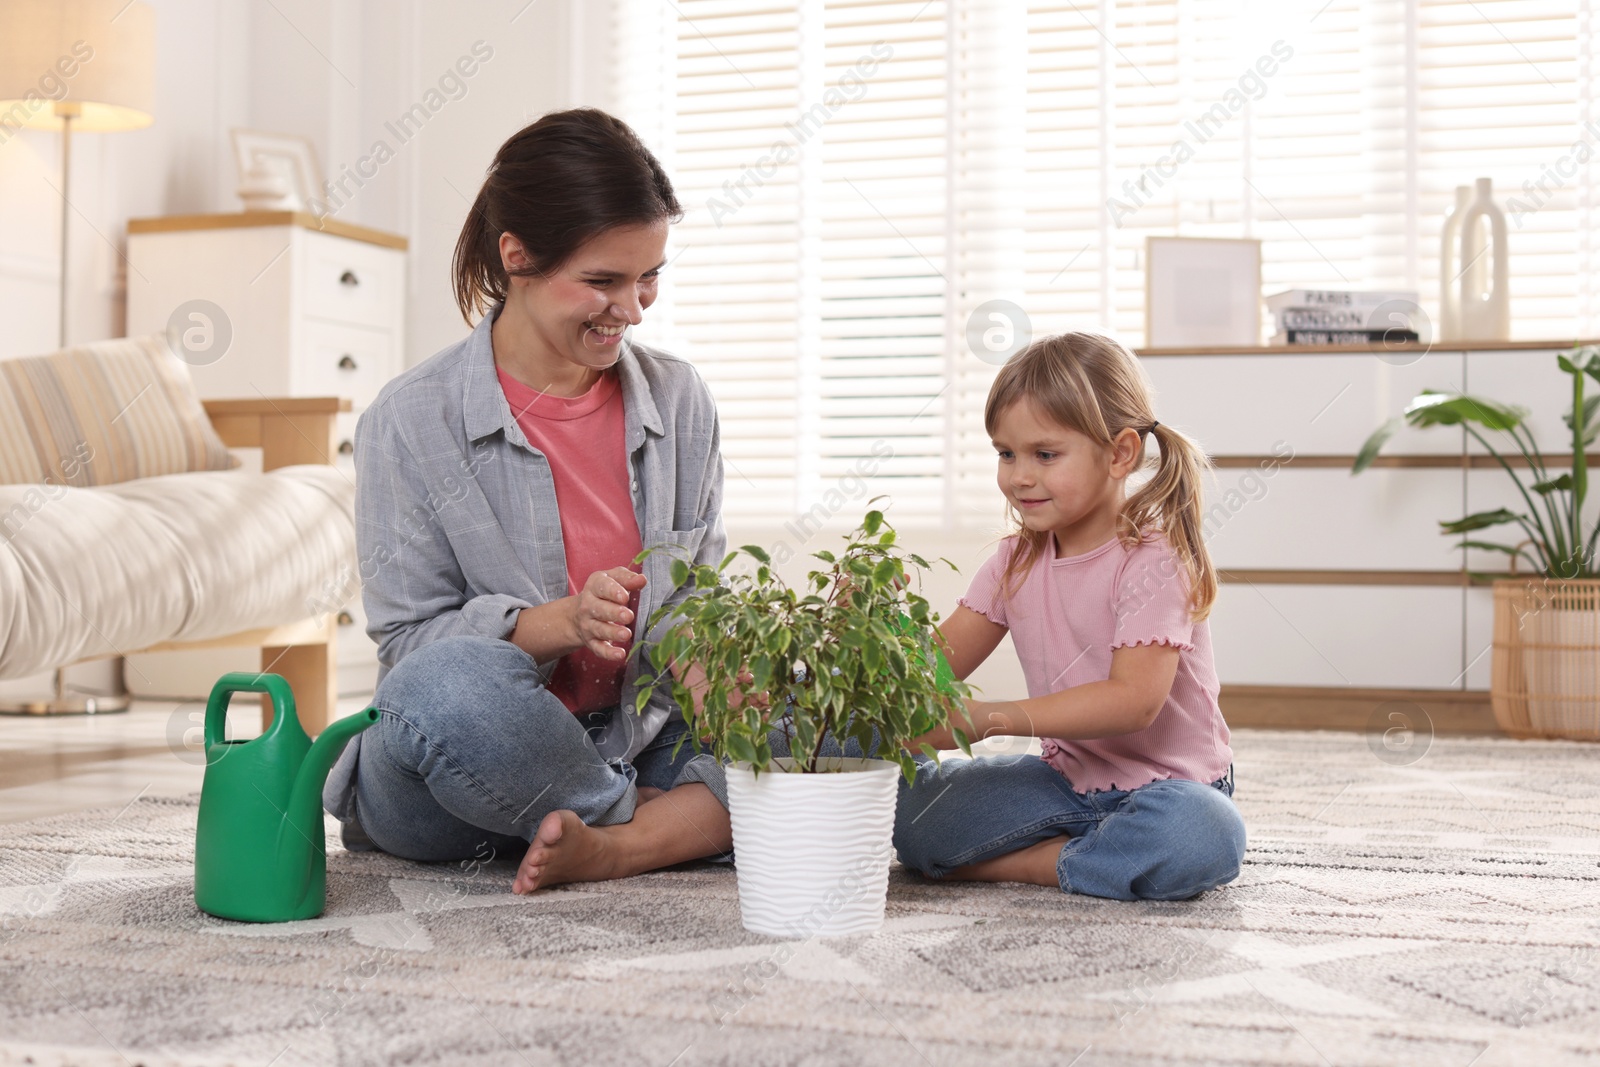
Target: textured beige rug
(1443, 912)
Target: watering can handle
(274, 685)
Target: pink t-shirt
(583, 439)
(1066, 617)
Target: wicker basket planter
(1545, 679)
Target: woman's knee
(473, 695)
(481, 673)
(452, 662)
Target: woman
(504, 488)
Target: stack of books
(1343, 317)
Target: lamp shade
(91, 59)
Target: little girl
(1105, 595)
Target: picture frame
(1202, 292)
(278, 159)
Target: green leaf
(1369, 450)
(740, 748)
(962, 742)
(1491, 546)
(872, 656)
(757, 551)
(761, 671)
(908, 767)
(872, 523)
(1453, 409)
(680, 572)
(897, 663)
(885, 572)
(1479, 521)
(928, 750)
(1563, 481)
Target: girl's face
(580, 310)
(1057, 478)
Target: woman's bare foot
(564, 850)
(688, 823)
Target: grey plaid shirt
(457, 528)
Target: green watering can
(259, 852)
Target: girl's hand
(599, 613)
(943, 738)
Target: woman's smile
(595, 333)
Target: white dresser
(313, 309)
(1339, 595)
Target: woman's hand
(599, 614)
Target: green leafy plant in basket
(1556, 544)
(851, 653)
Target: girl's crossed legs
(1016, 819)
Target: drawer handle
(345, 618)
(349, 278)
(346, 448)
(347, 362)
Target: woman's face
(580, 310)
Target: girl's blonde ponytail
(1170, 501)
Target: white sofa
(92, 567)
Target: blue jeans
(1169, 840)
(471, 752)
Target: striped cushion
(107, 412)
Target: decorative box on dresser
(314, 308)
(1342, 605)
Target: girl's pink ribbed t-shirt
(1066, 617)
(584, 440)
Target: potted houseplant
(851, 656)
(1545, 675)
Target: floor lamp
(78, 66)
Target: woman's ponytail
(479, 277)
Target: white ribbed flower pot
(812, 850)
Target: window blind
(861, 175)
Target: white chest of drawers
(313, 309)
(1341, 602)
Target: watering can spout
(305, 798)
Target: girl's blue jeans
(1169, 840)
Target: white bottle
(1485, 303)
(1450, 268)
